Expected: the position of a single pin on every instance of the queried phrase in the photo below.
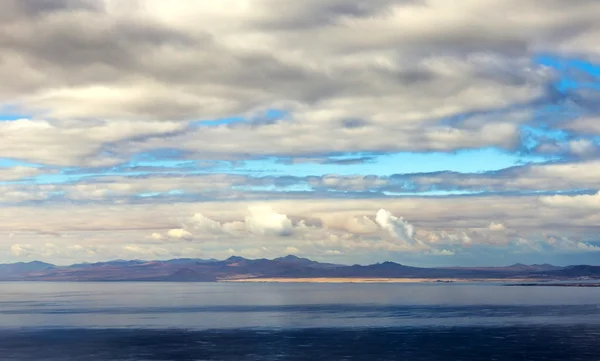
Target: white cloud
(178, 233)
(591, 201)
(496, 227)
(206, 225)
(157, 236)
(442, 252)
(263, 220)
(398, 228)
(570, 245)
(360, 225)
(319, 226)
(21, 250)
(291, 250)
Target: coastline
(372, 280)
(550, 284)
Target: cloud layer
(157, 129)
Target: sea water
(299, 321)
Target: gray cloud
(186, 184)
(369, 63)
(388, 71)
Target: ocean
(273, 321)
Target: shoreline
(374, 280)
(550, 284)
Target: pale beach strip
(370, 280)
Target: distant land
(283, 269)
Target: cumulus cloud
(206, 225)
(264, 220)
(496, 227)
(266, 226)
(99, 233)
(398, 228)
(570, 245)
(157, 236)
(360, 225)
(21, 250)
(178, 233)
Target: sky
(424, 132)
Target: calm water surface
(224, 321)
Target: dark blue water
(195, 321)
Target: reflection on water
(196, 321)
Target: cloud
(187, 184)
(123, 187)
(585, 201)
(178, 233)
(291, 250)
(363, 88)
(74, 143)
(51, 250)
(135, 251)
(398, 228)
(443, 252)
(21, 250)
(348, 183)
(20, 172)
(496, 227)
(582, 125)
(569, 245)
(551, 177)
(264, 220)
(308, 135)
(157, 236)
(206, 225)
(139, 76)
(159, 232)
(106, 94)
(360, 225)
(19, 193)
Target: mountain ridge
(290, 266)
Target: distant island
(284, 269)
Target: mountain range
(235, 268)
